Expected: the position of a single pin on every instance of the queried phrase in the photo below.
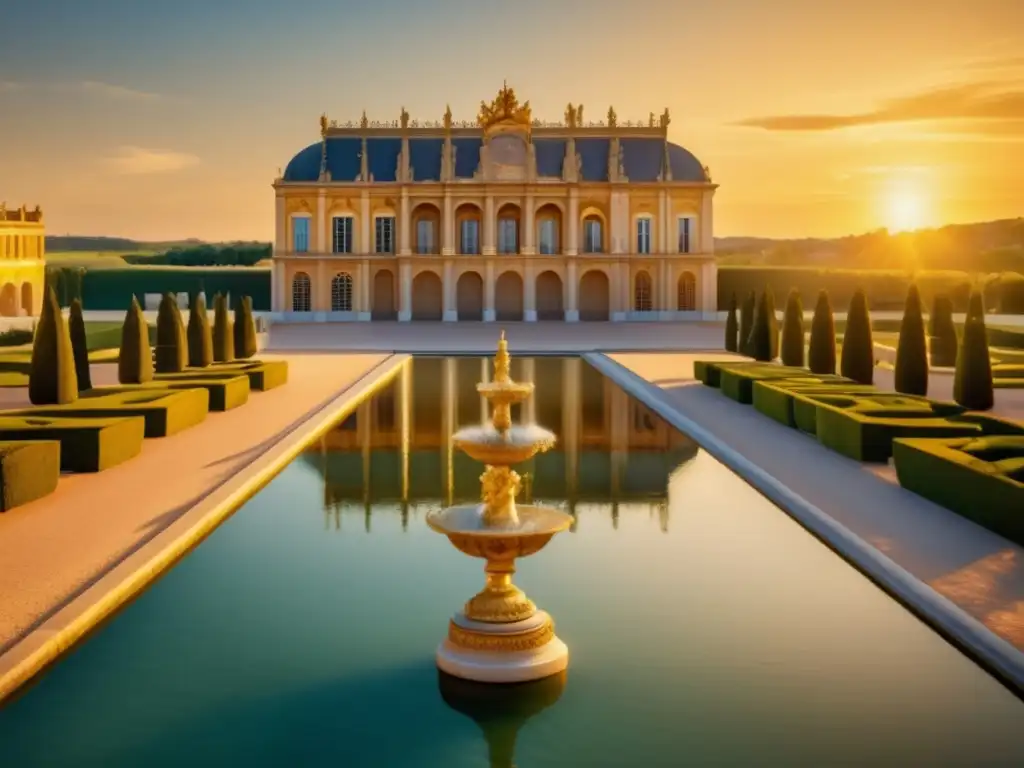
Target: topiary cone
(858, 356)
(223, 336)
(821, 354)
(911, 374)
(52, 379)
(972, 385)
(79, 346)
(747, 323)
(200, 338)
(773, 323)
(171, 343)
(135, 362)
(245, 329)
(731, 327)
(793, 331)
(942, 333)
(760, 335)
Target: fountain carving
(500, 636)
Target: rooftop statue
(504, 108)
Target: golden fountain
(500, 636)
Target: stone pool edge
(132, 575)
(975, 640)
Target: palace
(506, 218)
(22, 261)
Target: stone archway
(686, 300)
(383, 307)
(550, 304)
(595, 297)
(427, 297)
(9, 300)
(27, 304)
(508, 297)
(469, 296)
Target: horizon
(908, 119)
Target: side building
(22, 261)
(501, 219)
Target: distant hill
(67, 243)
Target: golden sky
(166, 121)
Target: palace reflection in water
(394, 454)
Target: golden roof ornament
(448, 116)
(363, 122)
(665, 119)
(323, 124)
(650, 122)
(613, 119)
(504, 108)
(570, 116)
(404, 118)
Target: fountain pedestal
(500, 636)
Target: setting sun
(905, 211)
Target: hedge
(732, 327)
(135, 361)
(171, 343)
(793, 332)
(29, 470)
(165, 412)
(86, 445)
(223, 335)
(227, 390)
(972, 382)
(52, 379)
(199, 334)
(775, 398)
(746, 322)
(263, 374)
(114, 288)
(911, 374)
(244, 329)
(821, 353)
(857, 360)
(79, 346)
(981, 479)
(942, 333)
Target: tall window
(300, 234)
(642, 301)
(643, 235)
(425, 236)
(685, 234)
(385, 234)
(342, 234)
(548, 236)
(300, 292)
(341, 292)
(593, 242)
(508, 236)
(469, 236)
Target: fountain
(500, 636)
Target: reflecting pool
(705, 627)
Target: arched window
(642, 301)
(687, 299)
(300, 293)
(548, 236)
(341, 292)
(593, 236)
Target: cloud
(116, 92)
(138, 161)
(994, 102)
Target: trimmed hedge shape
(993, 425)
(245, 330)
(263, 374)
(911, 373)
(942, 335)
(981, 479)
(746, 322)
(863, 427)
(792, 348)
(135, 361)
(223, 334)
(52, 379)
(821, 352)
(79, 346)
(227, 389)
(200, 337)
(709, 372)
(737, 383)
(166, 412)
(86, 445)
(29, 470)
(857, 359)
(775, 399)
(171, 354)
(805, 404)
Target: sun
(906, 210)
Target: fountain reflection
(501, 710)
(394, 454)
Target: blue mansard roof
(642, 158)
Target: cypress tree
(171, 344)
(773, 323)
(135, 362)
(245, 329)
(223, 336)
(972, 383)
(942, 333)
(79, 346)
(911, 374)
(731, 329)
(52, 379)
(200, 338)
(821, 356)
(858, 357)
(760, 335)
(747, 323)
(793, 331)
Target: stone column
(572, 226)
(280, 226)
(707, 290)
(451, 313)
(365, 244)
(489, 313)
(321, 242)
(449, 420)
(448, 227)
(530, 293)
(490, 226)
(660, 233)
(405, 292)
(529, 244)
(572, 287)
(279, 288)
(707, 226)
(365, 310)
(405, 219)
(570, 437)
(320, 300)
(405, 417)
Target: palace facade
(22, 261)
(506, 218)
